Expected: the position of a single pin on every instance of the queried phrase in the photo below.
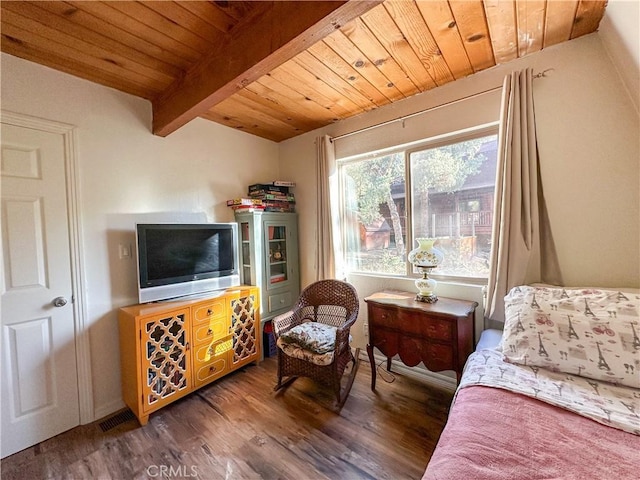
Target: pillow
(314, 336)
(588, 332)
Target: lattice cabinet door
(245, 328)
(166, 358)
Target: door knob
(59, 302)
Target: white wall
(589, 156)
(590, 161)
(620, 33)
(127, 174)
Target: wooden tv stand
(170, 349)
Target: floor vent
(117, 419)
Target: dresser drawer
(413, 350)
(438, 329)
(214, 330)
(209, 310)
(206, 353)
(209, 372)
(416, 323)
(438, 357)
(385, 340)
(383, 317)
(211, 361)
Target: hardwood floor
(238, 428)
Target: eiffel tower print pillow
(588, 332)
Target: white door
(39, 377)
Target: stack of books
(277, 278)
(246, 205)
(275, 196)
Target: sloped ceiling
(279, 69)
(620, 33)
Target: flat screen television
(176, 260)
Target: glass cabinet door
(277, 271)
(245, 330)
(245, 254)
(165, 359)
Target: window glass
(375, 234)
(451, 198)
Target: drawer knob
(212, 369)
(209, 312)
(209, 332)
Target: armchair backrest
(332, 302)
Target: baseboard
(102, 411)
(418, 373)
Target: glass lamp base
(431, 298)
(426, 286)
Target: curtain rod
(415, 114)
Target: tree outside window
(451, 199)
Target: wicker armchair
(326, 306)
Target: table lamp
(425, 258)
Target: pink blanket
(494, 434)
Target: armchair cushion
(314, 336)
(311, 341)
(296, 351)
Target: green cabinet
(269, 259)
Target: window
(442, 188)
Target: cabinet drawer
(212, 370)
(438, 329)
(416, 323)
(209, 310)
(211, 361)
(206, 353)
(383, 317)
(385, 340)
(438, 357)
(278, 302)
(214, 330)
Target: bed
(559, 397)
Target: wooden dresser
(440, 334)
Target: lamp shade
(425, 255)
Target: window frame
(458, 136)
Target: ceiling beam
(285, 29)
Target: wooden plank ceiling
(279, 69)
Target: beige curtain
(523, 250)
(325, 170)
